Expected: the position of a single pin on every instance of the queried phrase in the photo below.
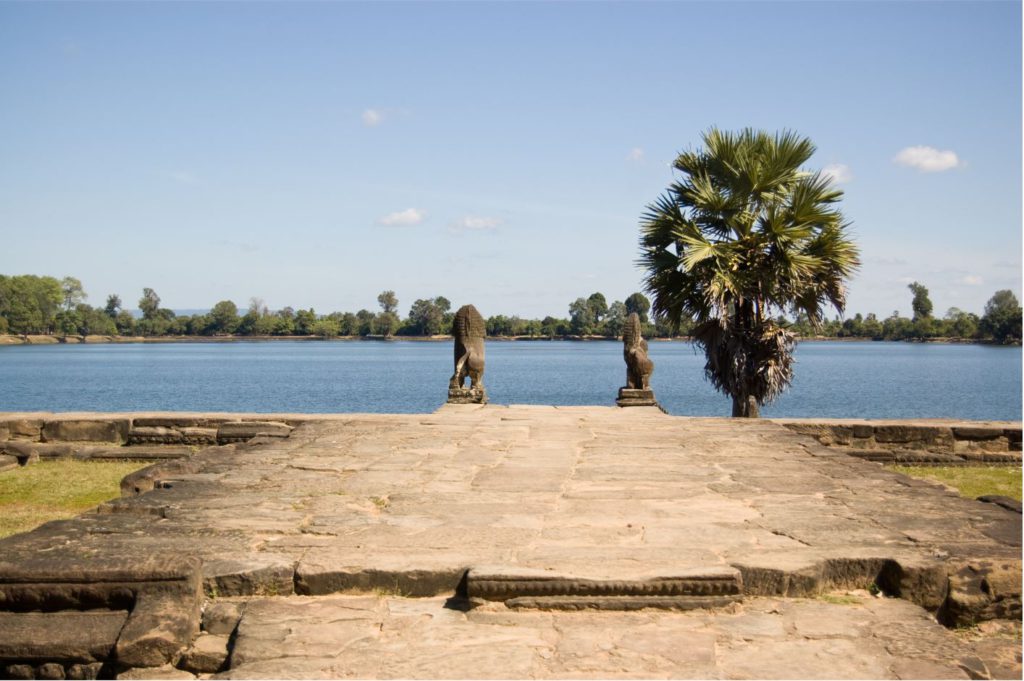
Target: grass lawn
(971, 481)
(49, 490)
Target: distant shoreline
(46, 339)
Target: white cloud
(972, 280)
(372, 118)
(403, 218)
(839, 172)
(927, 159)
(635, 154)
(475, 223)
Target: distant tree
(960, 324)
(149, 303)
(366, 320)
(615, 320)
(325, 328)
(921, 304)
(1002, 318)
(637, 302)
(72, 292)
(872, 327)
(598, 306)
(304, 320)
(549, 327)
(427, 316)
(125, 323)
(349, 325)
(581, 317)
(113, 305)
(387, 321)
(257, 307)
(224, 317)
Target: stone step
(621, 603)
(66, 637)
(528, 588)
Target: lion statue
(639, 367)
(469, 330)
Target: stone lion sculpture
(639, 367)
(469, 330)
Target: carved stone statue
(639, 367)
(469, 330)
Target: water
(833, 379)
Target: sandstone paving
(388, 637)
(403, 508)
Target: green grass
(50, 490)
(971, 481)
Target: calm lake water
(833, 379)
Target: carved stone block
(467, 396)
(633, 397)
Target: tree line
(32, 304)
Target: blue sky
(499, 154)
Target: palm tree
(744, 235)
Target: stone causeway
(487, 541)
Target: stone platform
(489, 541)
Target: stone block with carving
(639, 367)
(469, 330)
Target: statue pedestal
(467, 396)
(634, 397)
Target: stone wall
(30, 437)
(918, 442)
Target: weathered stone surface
(198, 436)
(342, 636)
(25, 429)
(154, 435)
(468, 332)
(8, 462)
(159, 628)
(104, 430)
(84, 672)
(25, 452)
(141, 452)
(221, 617)
(394, 504)
(630, 397)
(1009, 503)
(639, 366)
(50, 670)
(20, 671)
(977, 432)
(162, 672)
(983, 590)
(207, 654)
(166, 422)
(240, 431)
(467, 396)
(69, 636)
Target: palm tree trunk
(745, 408)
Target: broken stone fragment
(107, 430)
(207, 655)
(163, 672)
(50, 670)
(154, 435)
(221, 617)
(240, 431)
(84, 672)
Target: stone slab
(68, 636)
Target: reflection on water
(833, 379)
